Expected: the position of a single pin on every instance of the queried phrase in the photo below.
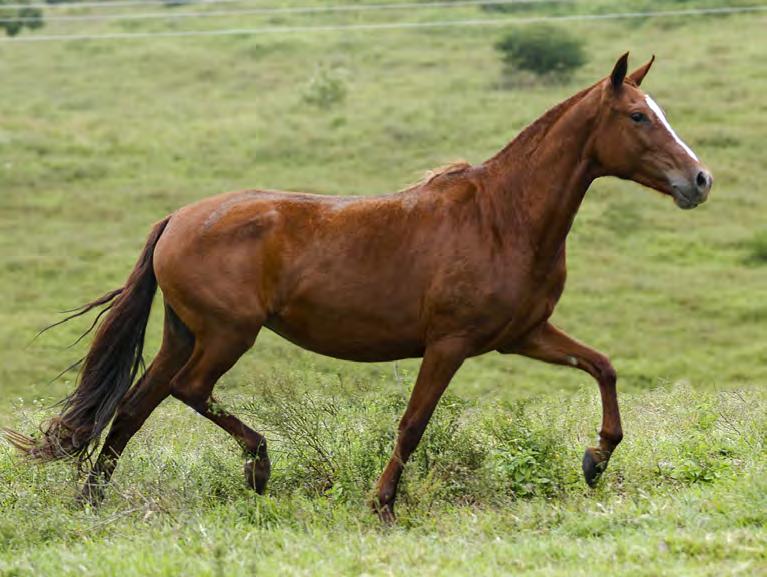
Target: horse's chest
(524, 302)
(535, 295)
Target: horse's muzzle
(692, 192)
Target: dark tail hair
(109, 369)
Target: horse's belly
(349, 337)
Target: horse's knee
(606, 374)
(609, 375)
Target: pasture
(98, 140)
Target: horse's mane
(530, 137)
(453, 168)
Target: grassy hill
(100, 139)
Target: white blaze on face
(662, 117)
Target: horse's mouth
(685, 201)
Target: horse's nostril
(702, 179)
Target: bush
(13, 20)
(339, 445)
(325, 89)
(543, 50)
(525, 456)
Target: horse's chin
(684, 201)
(685, 204)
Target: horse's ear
(619, 72)
(638, 75)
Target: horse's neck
(540, 179)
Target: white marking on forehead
(662, 117)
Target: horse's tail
(109, 368)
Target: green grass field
(98, 140)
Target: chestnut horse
(470, 261)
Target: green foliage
(14, 20)
(526, 456)
(326, 88)
(544, 50)
(493, 489)
(337, 446)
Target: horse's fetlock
(612, 438)
(386, 496)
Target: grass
(758, 248)
(494, 489)
(99, 140)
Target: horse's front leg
(549, 344)
(440, 362)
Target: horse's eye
(638, 117)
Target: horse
(471, 260)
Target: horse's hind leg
(138, 404)
(440, 362)
(213, 356)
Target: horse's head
(635, 141)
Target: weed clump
(525, 458)
(326, 89)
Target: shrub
(543, 50)
(13, 20)
(525, 457)
(339, 445)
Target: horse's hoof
(257, 473)
(385, 513)
(594, 464)
(383, 506)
